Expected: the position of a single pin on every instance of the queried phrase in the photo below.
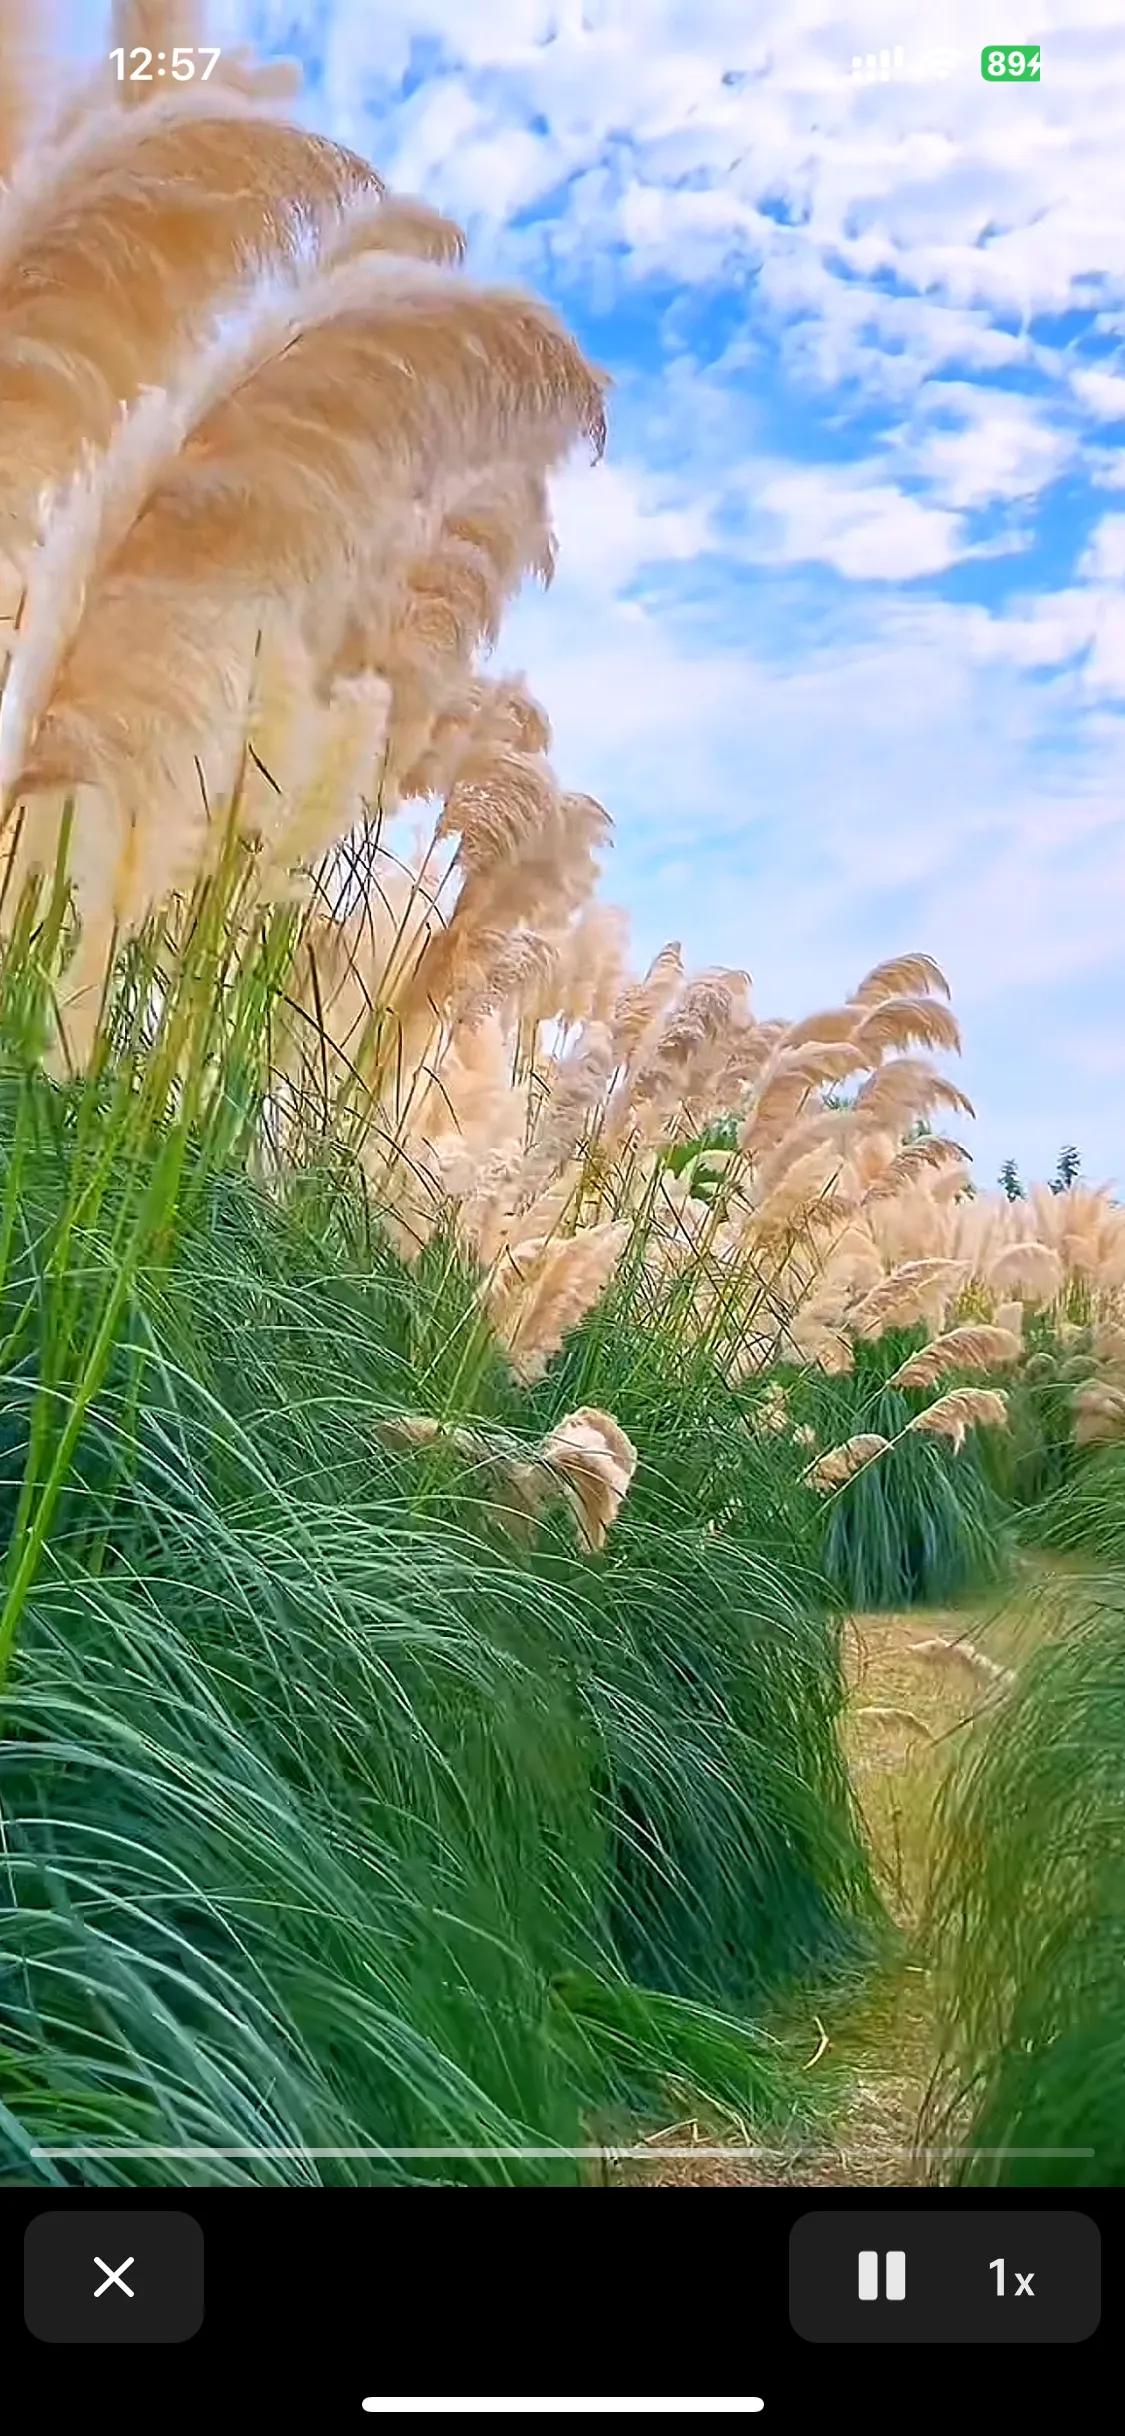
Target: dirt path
(915, 1682)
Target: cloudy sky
(838, 632)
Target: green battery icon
(1004, 63)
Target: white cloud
(1102, 394)
(614, 520)
(1105, 668)
(1104, 558)
(1037, 632)
(865, 529)
(1003, 447)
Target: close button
(113, 2276)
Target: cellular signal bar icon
(879, 67)
(895, 2283)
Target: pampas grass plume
(964, 1408)
(841, 1462)
(973, 1347)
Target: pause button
(894, 2275)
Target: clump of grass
(1037, 1456)
(711, 1600)
(1086, 1515)
(921, 1525)
(1029, 1913)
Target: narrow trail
(911, 1688)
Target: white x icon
(113, 2275)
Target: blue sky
(838, 632)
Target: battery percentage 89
(1003, 64)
